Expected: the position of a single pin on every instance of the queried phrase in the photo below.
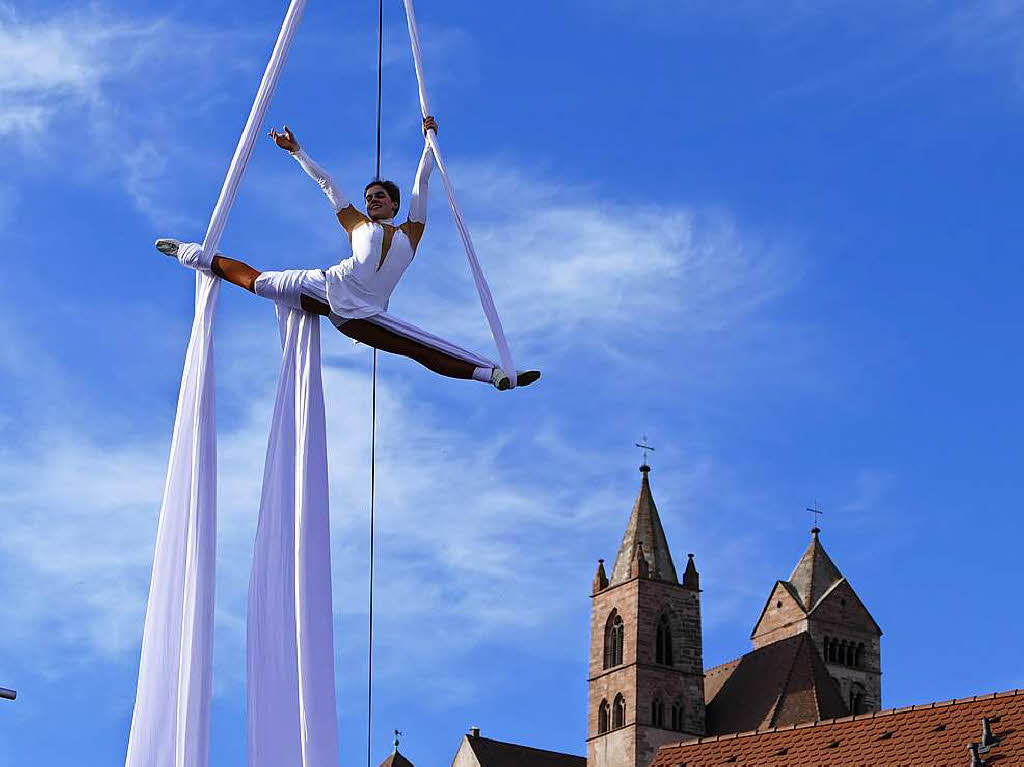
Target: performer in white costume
(355, 292)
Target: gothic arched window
(614, 632)
(619, 712)
(657, 713)
(677, 716)
(603, 715)
(663, 642)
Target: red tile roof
(932, 735)
(782, 683)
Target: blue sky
(781, 239)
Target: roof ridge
(1016, 692)
(520, 745)
(785, 682)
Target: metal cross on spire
(817, 513)
(645, 447)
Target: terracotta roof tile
(931, 735)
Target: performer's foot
(503, 382)
(526, 377)
(190, 254)
(168, 246)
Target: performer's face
(378, 203)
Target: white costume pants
(287, 288)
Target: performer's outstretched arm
(349, 216)
(417, 220)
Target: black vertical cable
(380, 77)
(373, 418)
(373, 478)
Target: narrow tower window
(663, 642)
(619, 712)
(657, 713)
(677, 716)
(859, 658)
(603, 715)
(613, 636)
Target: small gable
(840, 605)
(782, 609)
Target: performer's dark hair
(390, 187)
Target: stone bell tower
(646, 669)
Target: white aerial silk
(291, 676)
(482, 289)
(291, 696)
(171, 719)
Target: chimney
(987, 738)
(976, 760)
(474, 732)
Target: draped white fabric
(171, 719)
(171, 722)
(291, 696)
(482, 289)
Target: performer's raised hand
(285, 140)
(429, 123)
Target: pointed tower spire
(644, 531)
(815, 573)
(691, 578)
(601, 578)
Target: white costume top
(361, 285)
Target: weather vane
(397, 733)
(816, 512)
(645, 447)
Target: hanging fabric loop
(482, 289)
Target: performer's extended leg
(383, 339)
(236, 272)
(370, 333)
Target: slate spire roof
(644, 531)
(814, 574)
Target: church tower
(646, 670)
(818, 600)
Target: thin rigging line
(373, 418)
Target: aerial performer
(354, 293)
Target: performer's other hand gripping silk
(355, 292)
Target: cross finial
(397, 733)
(817, 513)
(646, 448)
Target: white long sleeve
(418, 199)
(323, 178)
